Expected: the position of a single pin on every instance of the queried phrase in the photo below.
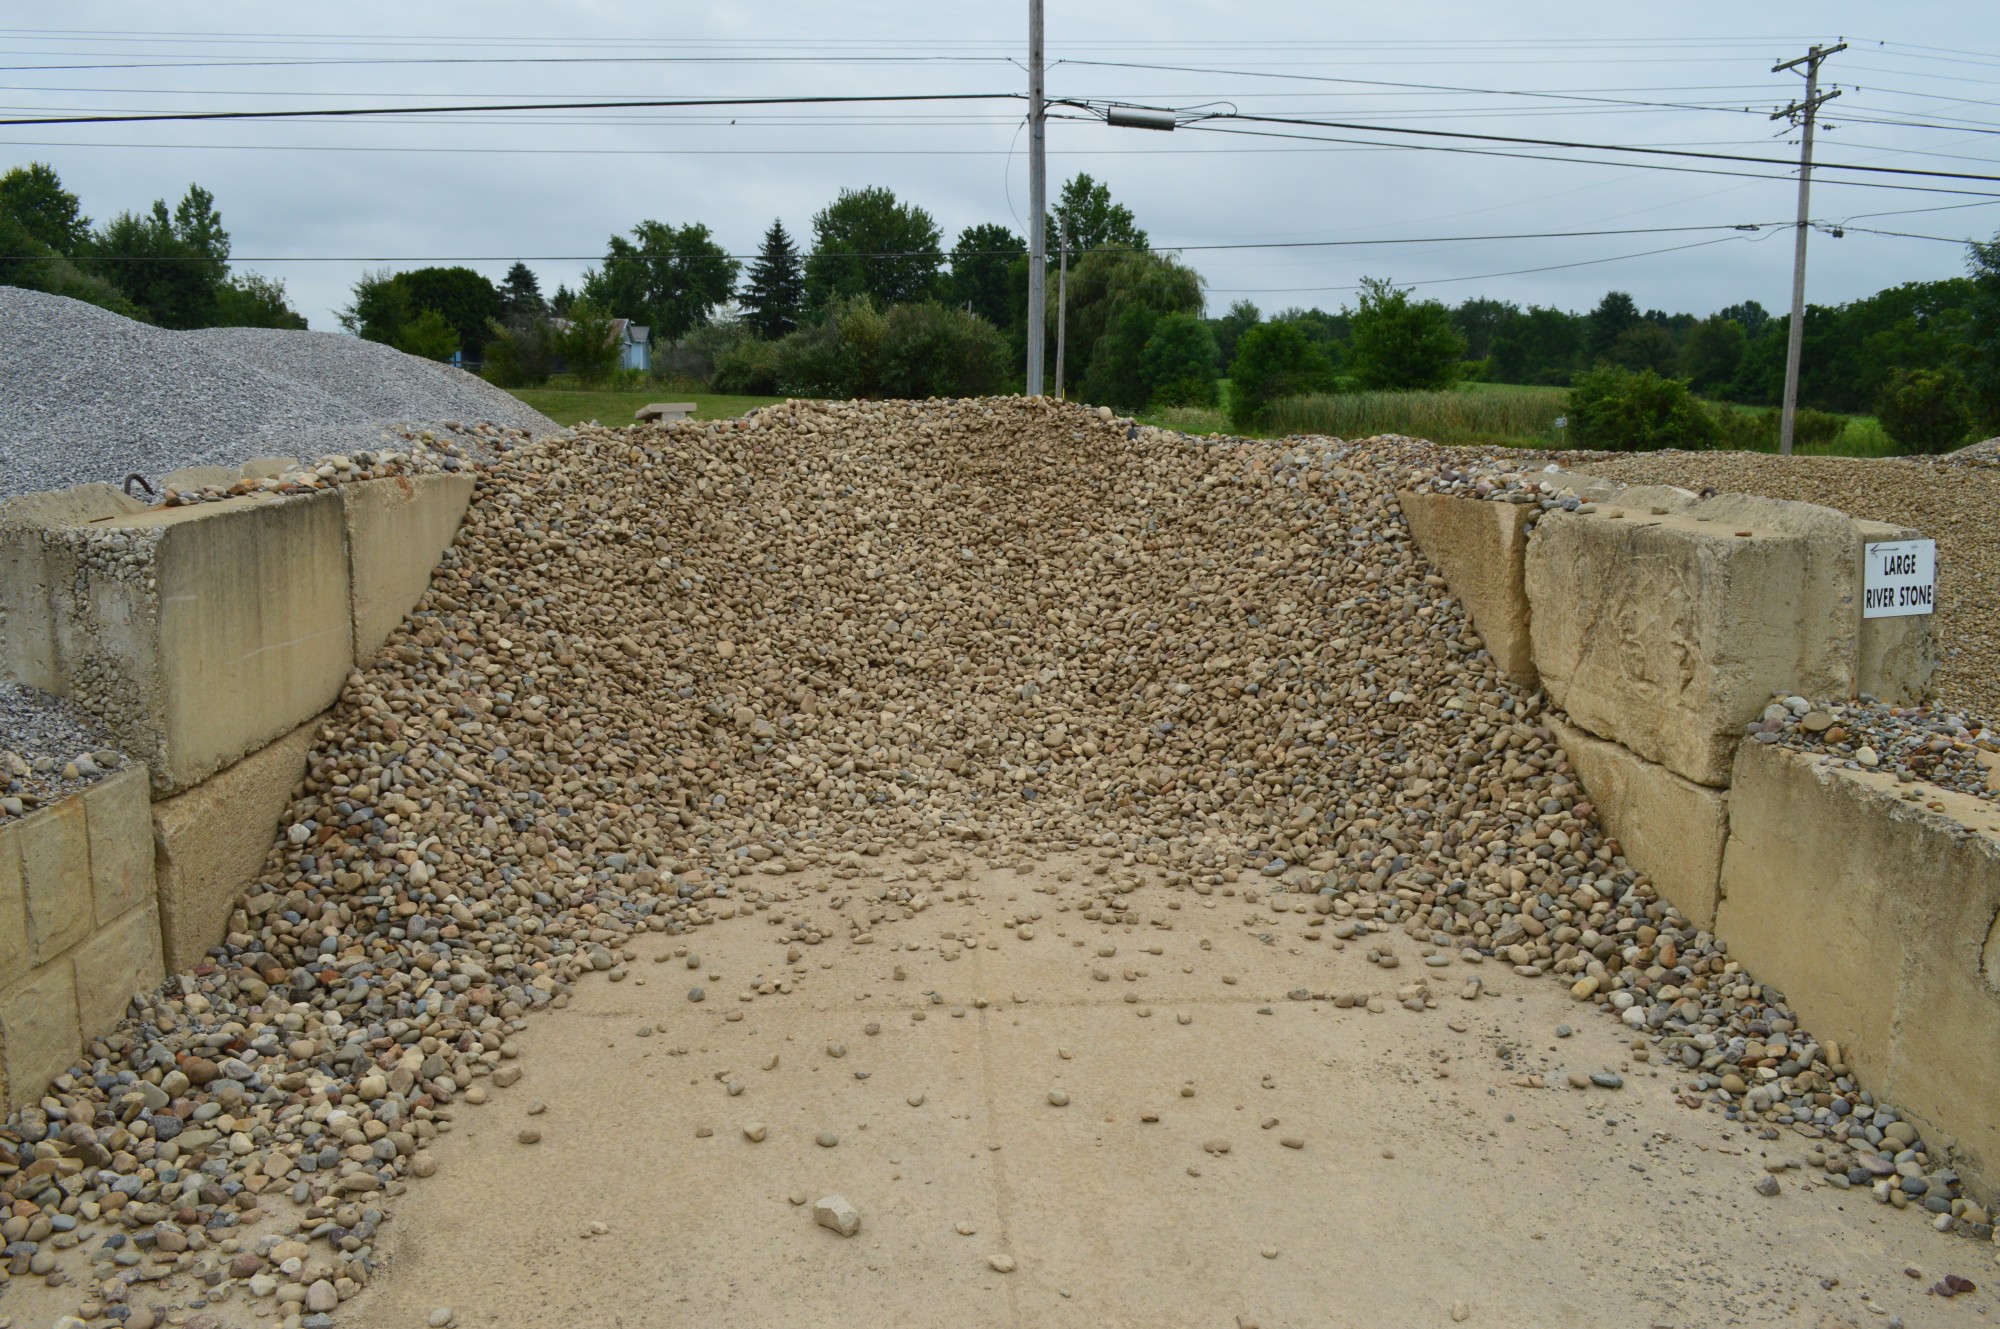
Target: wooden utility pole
(1803, 113)
(1038, 203)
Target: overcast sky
(550, 187)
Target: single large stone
(833, 1211)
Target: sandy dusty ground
(1435, 1183)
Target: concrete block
(1671, 828)
(397, 529)
(1875, 916)
(1668, 634)
(198, 634)
(39, 1037)
(14, 963)
(212, 841)
(118, 962)
(55, 875)
(117, 812)
(1479, 547)
(1898, 656)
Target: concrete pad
(1873, 914)
(1428, 1162)
(211, 842)
(1668, 634)
(397, 529)
(1479, 547)
(1671, 829)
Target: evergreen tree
(775, 290)
(521, 295)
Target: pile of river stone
(1927, 744)
(663, 667)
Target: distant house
(635, 344)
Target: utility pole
(1038, 202)
(1062, 315)
(1805, 113)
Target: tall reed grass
(1520, 416)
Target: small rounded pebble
(826, 1139)
(529, 1135)
(1000, 1264)
(754, 1132)
(696, 994)
(1057, 1098)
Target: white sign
(1898, 578)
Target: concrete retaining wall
(207, 640)
(79, 927)
(1875, 907)
(1663, 624)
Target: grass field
(571, 406)
(1478, 414)
(1475, 414)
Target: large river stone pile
(663, 668)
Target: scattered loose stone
(836, 1214)
(529, 1135)
(826, 1139)
(1000, 1264)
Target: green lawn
(570, 406)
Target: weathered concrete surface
(1479, 547)
(118, 817)
(114, 964)
(55, 869)
(1897, 656)
(1669, 633)
(1672, 829)
(155, 616)
(1875, 914)
(1417, 1138)
(39, 1035)
(396, 531)
(212, 840)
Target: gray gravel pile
(87, 395)
(48, 751)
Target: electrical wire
(1484, 276)
(647, 103)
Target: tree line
(164, 266)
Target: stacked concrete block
(206, 640)
(79, 927)
(1878, 916)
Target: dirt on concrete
(1445, 1169)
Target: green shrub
(522, 355)
(584, 343)
(1179, 362)
(1274, 360)
(840, 356)
(1396, 343)
(1925, 410)
(749, 368)
(428, 336)
(1618, 410)
(934, 350)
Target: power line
(648, 103)
(1599, 147)
(1484, 276)
(1581, 161)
